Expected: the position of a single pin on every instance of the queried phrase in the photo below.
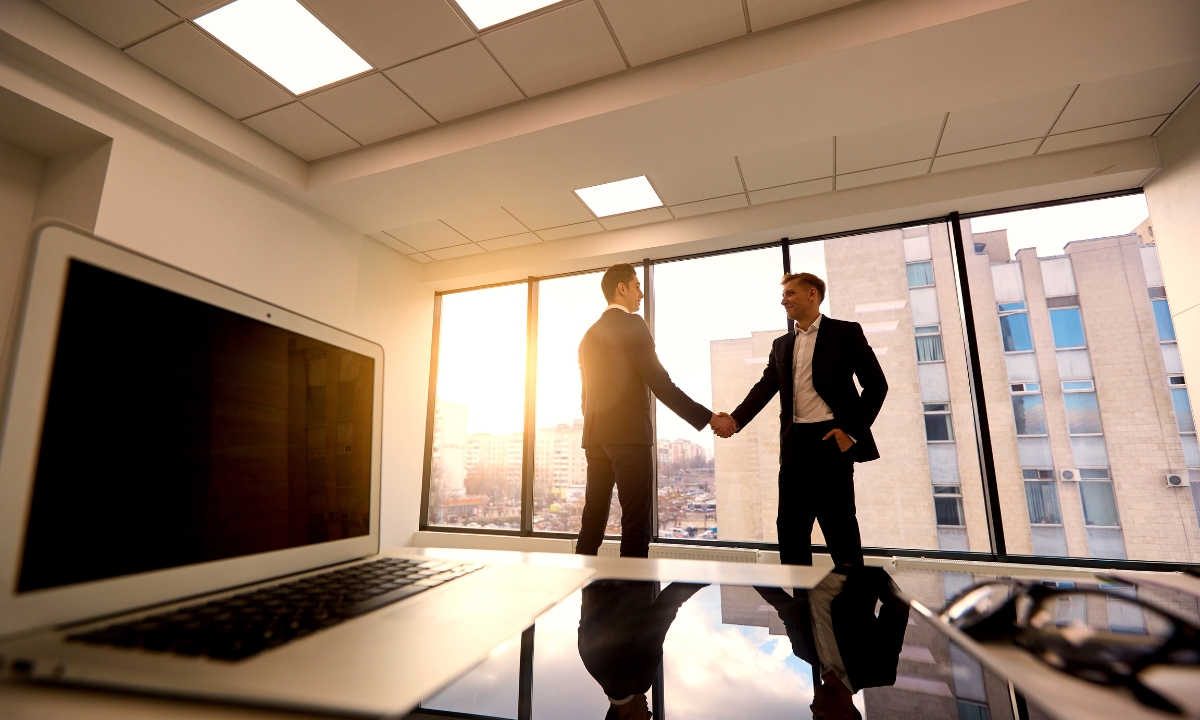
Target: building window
(1041, 498)
(1014, 328)
(947, 505)
(920, 274)
(929, 347)
(1029, 414)
(1162, 317)
(1099, 504)
(938, 427)
(1083, 413)
(1183, 410)
(1067, 325)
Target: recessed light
(486, 13)
(619, 197)
(284, 40)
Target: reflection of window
(1030, 414)
(947, 505)
(1099, 505)
(1083, 413)
(920, 274)
(1183, 410)
(1162, 317)
(1067, 325)
(1041, 497)
(1014, 329)
(938, 427)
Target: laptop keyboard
(239, 626)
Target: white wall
(1174, 199)
(173, 204)
(20, 176)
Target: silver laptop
(189, 502)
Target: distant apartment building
(449, 447)
(1085, 394)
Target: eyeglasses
(1102, 636)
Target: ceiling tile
(189, 58)
(191, 8)
(486, 224)
(427, 235)
(557, 233)
(650, 30)
(787, 192)
(456, 251)
(560, 48)
(1129, 97)
(302, 131)
(456, 82)
(420, 257)
(787, 165)
(389, 32)
(550, 211)
(117, 22)
(392, 242)
(1099, 135)
(883, 174)
(711, 205)
(888, 145)
(369, 109)
(996, 153)
(1003, 122)
(640, 217)
(510, 241)
(716, 178)
(769, 13)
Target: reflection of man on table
(621, 632)
(835, 629)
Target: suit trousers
(816, 482)
(631, 469)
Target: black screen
(177, 432)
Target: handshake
(723, 425)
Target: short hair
(807, 279)
(614, 276)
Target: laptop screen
(177, 432)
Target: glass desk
(711, 652)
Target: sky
(1049, 229)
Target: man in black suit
(824, 423)
(619, 368)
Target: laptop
(190, 502)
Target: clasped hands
(723, 425)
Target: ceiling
(461, 142)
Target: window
(1183, 410)
(1162, 318)
(1041, 499)
(1083, 413)
(947, 505)
(1014, 329)
(929, 348)
(478, 436)
(938, 427)
(1029, 414)
(920, 274)
(1068, 328)
(1099, 505)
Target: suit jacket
(869, 643)
(622, 626)
(619, 368)
(841, 353)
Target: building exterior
(1085, 394)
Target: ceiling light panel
(285, 41)
(486, 13)
(619, 197)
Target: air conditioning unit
(1069, 474)
(1177, 480)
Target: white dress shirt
(622, 308)
(807, 405)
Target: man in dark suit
(619, 368)
(824, 423)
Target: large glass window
(714, 321)
(1068, 328)
(1083, 413)
(479, 418)
(1162, 320)
(1030, 414)
(1014, 329)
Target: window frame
(979, 416)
